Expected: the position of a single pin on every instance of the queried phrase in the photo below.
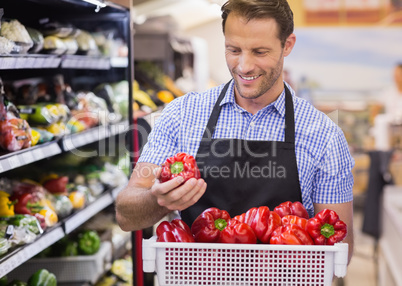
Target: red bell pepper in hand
(293, 219)
(215, 225)
(175, 231)
(289, 208)
(291, 234)
(326, 228)
(182, 164)
(262, 221)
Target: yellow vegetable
(35, 137)
(51, 217)
(77, 199)
(165, 96)
(6, 206)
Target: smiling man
(255, 142)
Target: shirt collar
(278, 104)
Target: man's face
(254, 55)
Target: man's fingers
(166, 187)
(190, 197)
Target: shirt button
(252, 124)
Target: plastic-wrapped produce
(87, 44)
(15, 134)
(37, 39)
(54, 45)
(7, 46)
(16, 32)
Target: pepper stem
(327, 230)
(220, 224)
(176, 167)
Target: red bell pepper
(26, 204)
(326, 228)
(182, 164)
(215, 225)
(291, 234)
(175, 231)
(289, 208)
(262, 221)
(293, 219)
(56, 185)
(238, 232)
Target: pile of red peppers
(288, 223)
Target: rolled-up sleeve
(162, 140)
(333, 179)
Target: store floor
(362, 270)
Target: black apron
(241, 174)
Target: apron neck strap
(289, 115)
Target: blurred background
(343, 62)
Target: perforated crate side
(246, 265)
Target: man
(255, 142)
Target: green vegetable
(42, 277)
(17, 283)
(88, 242)
(70, 249)
(3, 280)
(26, 221)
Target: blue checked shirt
(323, 158)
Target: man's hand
(174, 195)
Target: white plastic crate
(83, 268)
(178, 263)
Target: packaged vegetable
(16, 32)
(6, 205)
(54, 45)
(37, 39)
(15, 134)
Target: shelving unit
(100, 69)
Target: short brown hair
(260, 9)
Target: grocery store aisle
(362, 270)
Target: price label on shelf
(54, 149)
(14, 162)
(38, 154)
(20, 63)
(27, 158)
(29, 62)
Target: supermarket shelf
(86, 213)
(22, 254)
(29, 61)
(23, 157)
(17, 257)
(39, 61)
(72, 141)
(85, 62)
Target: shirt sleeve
(333, 182)
(162, 140)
